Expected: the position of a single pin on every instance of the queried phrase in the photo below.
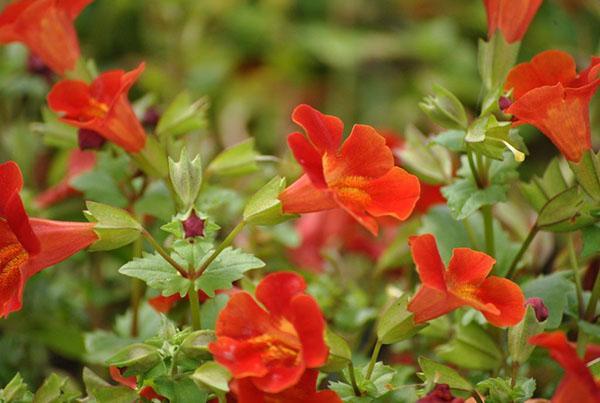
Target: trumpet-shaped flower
(102, 107)
(510, 17)
(29, 245)
(357, 175)
(46, 28)
(464, 283)
(578, 384)
(271, 348)
(550, 95)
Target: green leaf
(181, 391)
(554, 290)
(114, 226)
(495, 59)
(397, 322)
(438, 373)
(591, 241)
(444, 109)
(103, 392)
(212, 376)
(491, 138)
(56, 389)
(264, 207)
(465, 198)
(137, 358)
(157, 273)
(471, 348)
(562, 207)
(210, 309)
(519, 347)
(587, 174)
(453, 140)
(499, 390)
(229, 266)
(16, 391)
(186, 177)
(237, 160)
(182, 116)
(55, 132)
(195, 345)
(101, 184)
(430, 161)
(340, 353)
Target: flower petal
(429, 263)
(546, 69)
(430, 303)
(393, 194)
(11, 182)
(304, 197)
(277, 290)
(307, 156)
(70, 97)
(308, 321)
(511, 17)
(242, 359)
(324, 131)
(279, 378)
(468, 266)
(506, 296)
(242, 318)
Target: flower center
(351, 189)
(281, 346)
(12, 257)
(95, 109)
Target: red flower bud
(440, 394)
(90, 139)
(193, 226)
(541, 311)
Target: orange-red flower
(358, 175)
(511, 17)
(550, 95)
(146, 392)
(46, 28)
(465, 282)
(102, 107)
(79, 163)
(578, 384)
(28, 245)
(271, 348)
(304, 391)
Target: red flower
(465, 282)
(45, 27)
(304, 391)
(273, 347)
(550, 95)
(511, 17)
(440, 394)
(28, 245)
(578, 384)
(146, 392)
(358, 176)
(80, 162)
(102, 107)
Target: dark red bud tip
(504, 103)
(193, 226)
(37, 67)
(151, 117)
(440, 394)
(90, 140)
(541, 311)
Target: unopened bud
(90, 140)
(37, 67)
(504, 103)
(541, 311)
(440, 394)
(151, 117)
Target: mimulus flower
(102, 107)
(29, 245)
(464, 283)
(578, 384)
(79, 163)
(550, 95)
(357, 175)
(510, 17)
(46, 28)
(146, 392)
(304, 391)
(272, 348)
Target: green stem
(524, 246)
(590, 312)
(158, 248)
(514, 373)
(488, 224)
(474, 169)
(353, 379)
(226, 242)
(374, 356)
(137, 288)
(476, 396)
(194, 306)
(575, 268)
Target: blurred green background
(368, 61)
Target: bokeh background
(368, 61)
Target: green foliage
(186, 177)
(182, 116)
(264, 207)
(499, 390)
(554, 290)
(471, 347)
(396, 323)
(237, 160)
(435, 373)
(157, 273)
